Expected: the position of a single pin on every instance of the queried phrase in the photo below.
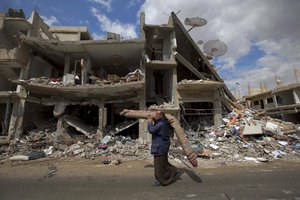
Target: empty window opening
(270, 100)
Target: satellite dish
(195, 22)
(215, 48)
(200, 42)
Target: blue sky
(77, 12)
(260, 42)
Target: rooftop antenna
(278, 81)
(249, 89)
(178, 12)
(195, 22)
(296, 74)
(214, 48)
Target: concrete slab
(253, 129)
(79, 125)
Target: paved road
(132, 180)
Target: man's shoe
(157, 183)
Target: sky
(262, 36)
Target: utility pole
(296, 74)
(239, 90)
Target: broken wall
(186, 49)
(5, 85)
(6, 42)
(285, 98)
(37, 116)
(39, 67)
(68, 36)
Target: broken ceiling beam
(85, 91)
(118, 130)
(188, 65)
(79, 125)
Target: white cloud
(273, 26)
(84, 22)
(52, 20)
(104, 3)
(132, 3)
(98, 36)
(126, 30)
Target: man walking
(158, 126)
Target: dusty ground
(90, 179)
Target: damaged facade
(60, 76)
(282, 103)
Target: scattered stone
(19, 157)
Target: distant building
(282, 103)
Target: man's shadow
(193, 175)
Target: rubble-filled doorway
(82, 119)
(197, 116)
(120, 125)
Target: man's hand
(151, 117)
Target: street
(133, 180)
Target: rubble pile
(163, 105)
(111, 79)
(246, 137)
(243, 136)
(184, 81)
(39, 144)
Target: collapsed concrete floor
(243, 137)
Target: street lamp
(238, 89)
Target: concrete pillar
(275, 100)
(58, 112)
(66, 68)
(16, 120)
(59, 125)
(85, 68)
(296, 94)
(217, 109)
(174, 87)
(265, 101)
(24, 73)
(59, 109)
(6, 117)
(173, 45)
(102, 120)
(143, 132)
(15, 129)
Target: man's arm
(154, 129)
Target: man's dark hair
(162, 114)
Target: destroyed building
(282, 102)
(60, 75)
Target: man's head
(159, 115)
